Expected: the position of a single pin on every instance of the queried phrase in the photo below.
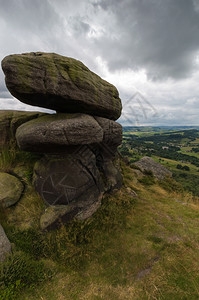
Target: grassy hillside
(178, 150)
(143, 247)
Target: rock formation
(79, 143)
(60, 83)
(148, 164)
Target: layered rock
(60, 83)
(79, 142)
(55, 132)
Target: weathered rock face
(10, 121)
(63, 179)
(73, 180)
(5, 246)
(112, 131)
(60, 83)
(53, 132)
(10, 189)
(148, 164)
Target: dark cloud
(158, 35)
(114, 37)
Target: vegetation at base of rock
(20, 271)
(11, 156)
(131, 248)
(148, 179)
(70, 242)
(7, 158)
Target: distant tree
(186, 168)
(179, 166)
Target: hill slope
(143, 247)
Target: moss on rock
(60, 83)
(10, 189)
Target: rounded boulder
(10, 189)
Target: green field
(172, 148)
(171, 164)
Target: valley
(177, 148)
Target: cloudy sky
(149, 49)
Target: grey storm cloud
(158, 38)
(158, 35)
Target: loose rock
(148, 164)
(10, 189)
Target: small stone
(89, 210)
(10, 189)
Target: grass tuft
(7, 158)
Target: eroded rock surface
(60, 83)
(72, 177)
(112, 131)
(53, 132)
